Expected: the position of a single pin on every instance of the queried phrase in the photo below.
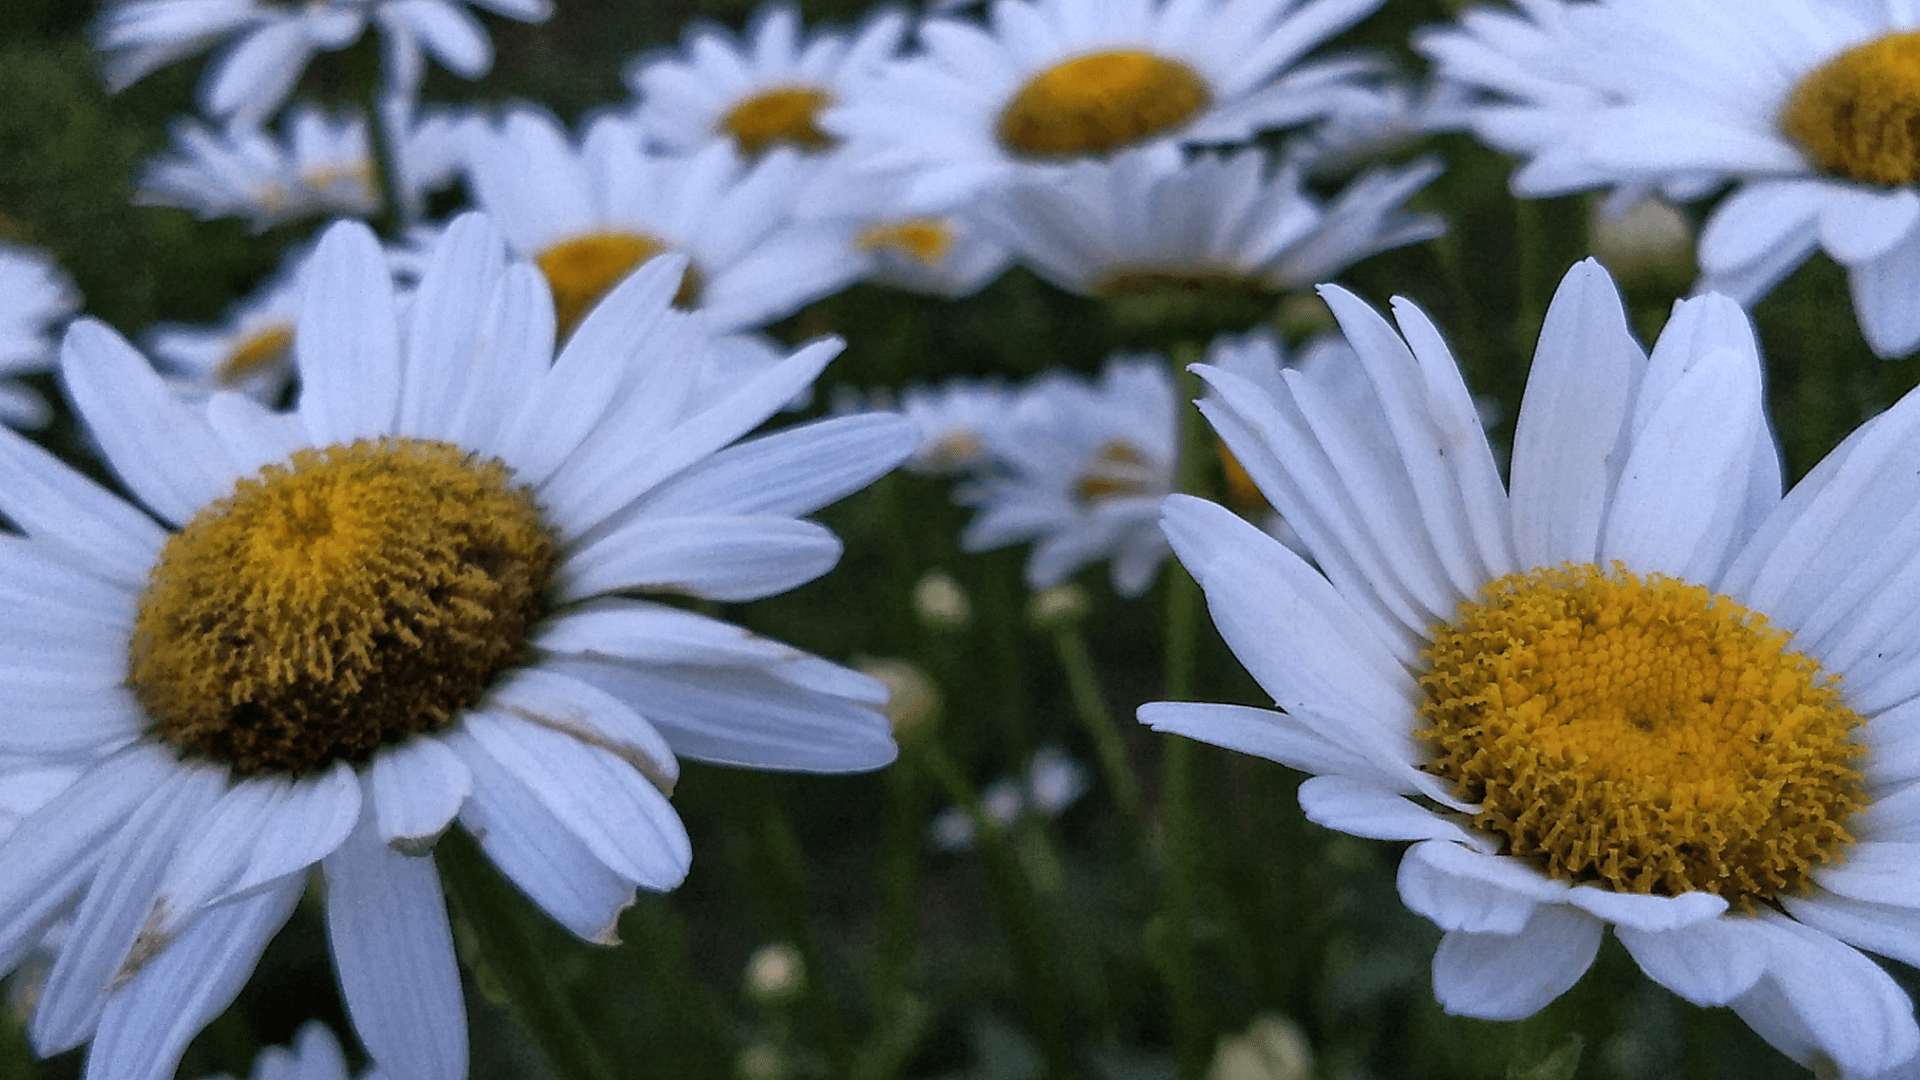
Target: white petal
(729, 559)
(448, 314)
(165, 453)
(791, 472)
(585, 712)
(251, 79)
(54, 504)
(1878, 928)
(1821, 991)
(621, 817)
(1572, 417)
(1883, 298)
(1359, 808)
(347, 341)
(1511, 976)
(1464, 890)
(1860, 225)
(149, 1022)
(417, 787)
(1650, 913)
(454, 37)
(1708, 963)
(1876, 871)
(539, 853)
(393, 951)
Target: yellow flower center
(1858, 115)
(1094, 105)
(785, 114)
(266, 349)
(924, 240)
(1119, 470)
(582, 270)
(342, 602)
(1642, 734)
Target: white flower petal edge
(178, 870)
(1664, 462)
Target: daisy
(416, 597)
(946, 254)
(250, 353)
(1373, 122)
(269, 44)
(1053, 782)
(766, 90)
(1804, 106)
(588, 215)
(34, 298)
(1054, 81)
(1080, 468)
(1632, 686)
(958, 422)
(1214, 240)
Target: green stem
(512, 949)
(787, 876)
(391, 219)
(1083, 682)
(1179, 967)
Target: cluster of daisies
(406, 530)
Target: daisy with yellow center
(250, 352)
(416, 598)
(1808, 107)
(762, 90)
(1057, 81)
(1079, 468)
(1633, 685)
(590, 214)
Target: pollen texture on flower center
(1095, 105)
(352, 598)
(1641, 734)
(1858, 115)
(781, 115)
(582, 270)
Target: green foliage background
(1047, 952)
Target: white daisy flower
(1053, 782)
(588, 215)
(314, 1055)
(271, 43)
(1080, 468)
(1804, 105)
(944, 254)
(766, 90)
(250, 353)
(1053, 81)
(957, 421)
(34, 298)
(1215, 239)
(1374, 121)
(415, 597)
(1632, 686)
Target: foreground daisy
(1632, 686)
(1807, 106)
(1080, 468)
(589, 215)
(34, 298)
(1055, 81)
(765, 91)
(413, 598)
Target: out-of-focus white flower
(1054, 81)
(1080, 469)
(35, 298)
(1215, 239)
(775, 972)
(1052, 782)
(956, 420)
(250, 352)
(314, 1055)
(764, 91)
(1374, 121)
(590, 214)
(1273, 1048)
(1648, 243)
(271, 43)
(1806, 107)
(940, 601)
(323, 165)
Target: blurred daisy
(35, 297)
(957, 420)
(1373, 122)
(1053, 782)
(416, 597)
(1080, 469)
(764, 91)
(250, 353)
(1213, 242)
(1054, 81)
(589, 215)
(1806, 106)
(269, 44)
(1633, 686)
(944, 254)
(314, 1055)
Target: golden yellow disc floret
(1641, 734)
(345, 601)
(1118, 470)
(269, 348)
(582, 270)
(1094, 105)
(925, 240)
(784, 114)
(1858, 115)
